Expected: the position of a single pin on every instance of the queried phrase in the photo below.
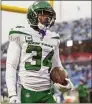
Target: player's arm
(13, 56)
(56, 62)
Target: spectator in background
(83, 92)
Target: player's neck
(42, 33)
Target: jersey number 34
(38, 58)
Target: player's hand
(65, 88)
(14, 99)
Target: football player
(34, 51)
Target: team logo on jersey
(28, 39)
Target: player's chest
(38, 43)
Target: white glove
(14, 99)
(65, 88)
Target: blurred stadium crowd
(75, 30)
(76, 59)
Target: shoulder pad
(54, 35)
(19, 30)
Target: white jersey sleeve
(13, 56)
(56, 62)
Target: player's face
(44, 18)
